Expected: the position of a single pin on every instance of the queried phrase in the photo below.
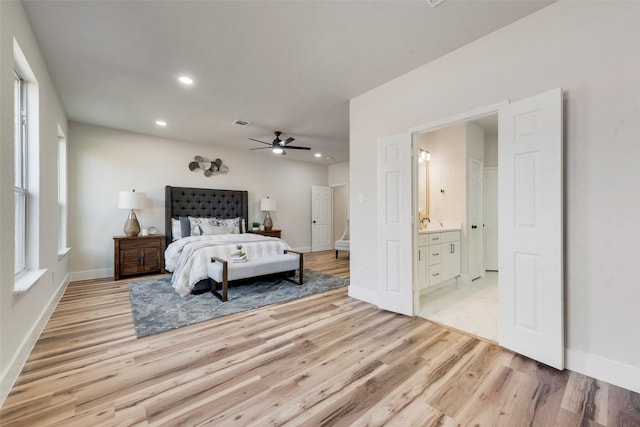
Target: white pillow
(176, 229)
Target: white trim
(463, 117)
(74, 276)
(25, 280)
(366, 295)
(63, 253)
(616, 373)
(17, 363)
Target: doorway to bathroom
(457, 191)
(530, 205)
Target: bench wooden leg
(300, 265)
(225, 280)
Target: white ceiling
(282, 65)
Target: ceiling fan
(278, 145)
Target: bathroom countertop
(437, 229)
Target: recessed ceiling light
(185, 80)
(161, 123)
(318, 155)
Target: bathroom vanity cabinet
(438, 257)
(423, 261)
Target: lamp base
(268, 224)
(132, 226)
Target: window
(26, 146)
(62, 192)
(20, 166)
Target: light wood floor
(324, 360)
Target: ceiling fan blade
(288, 140)
(262, 142)
(298, 148)
(259, 148)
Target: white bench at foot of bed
(221, 271)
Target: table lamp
(132, 200)
(267, 205)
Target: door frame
(430, 127)
(481, 216)
(489, 170)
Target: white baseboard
(21, 356)
(463, 279)
(74, 276)
(362, 294)
(620, 374)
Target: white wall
(490, 150)
(104, 161)
(23, 315)
(339, 174)
(340, 206)
(590, 50)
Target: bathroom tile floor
(472, 308)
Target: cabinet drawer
(435, 238)
(147, 242)
(450, 236)
(423, 239)
(435, 274)
(435, 254)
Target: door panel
(395, 258)
(530, 229)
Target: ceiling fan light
(277, 150)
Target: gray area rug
(158, 308)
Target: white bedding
(187, 258)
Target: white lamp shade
(268, 204)
(132, 200)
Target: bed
(188, 257)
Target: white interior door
(320, 218)
(531, 227)
(394, 209)
(475, 219)
(490, 218)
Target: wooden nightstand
(270, 233)
(138, 255)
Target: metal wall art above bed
(210, 167)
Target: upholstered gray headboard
(203, 202)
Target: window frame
(21, 191)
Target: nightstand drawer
(268, 233)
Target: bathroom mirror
(423, 185)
